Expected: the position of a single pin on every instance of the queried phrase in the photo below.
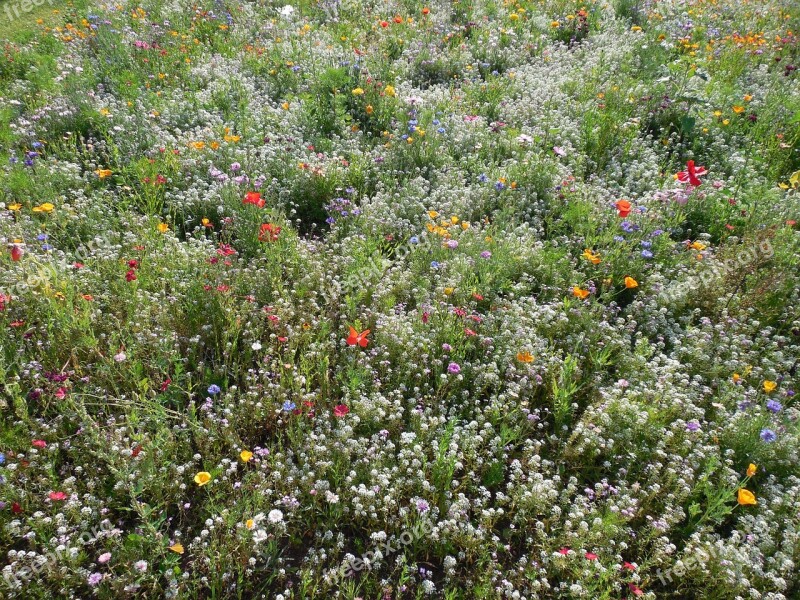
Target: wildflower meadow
(382, 299)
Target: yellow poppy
(579, 293)
(245, 455)
(751, 470)
(16, 206)
(202, 478)
(103, 173)
(163, 227)
(630, 282)
(769, 386)
(45, 207)
(177, 548)
(738, 109)
(525, 356)
(358, 92)
(746, 497)
(389, 91)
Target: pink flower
(104, 558)
(564, 551)
(57, 496)
(340, 410)
(39, 444)
(61, 393)
(590, 556)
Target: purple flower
(692, 426)
(774, 406)
(95, 578)
(422, 506)
(486, 254)
(452, 244)
(647, 254)
(768, 435)
(454, 368)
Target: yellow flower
(285, 106)
(46, 207)
(747, 97)
(579, 293)
(751, 470)
(554, 24)
(433, 214)
(746, 497)
(163, 227)
(177, 548)
(736, 378)
(245, 455)
(726, 122)
(698, 246)
(369, 109)
(738, 109)
(464, 225)
(769, 386)
(454, 220)
(389, 91)
(103, 173)
(16, 206)
(202, 478)
(636, 28)
(250, 523)
(630, 282)
(197, 145)
(525, 356)
(591, 257)
(513, 16)
(449, 290)
(358, 92)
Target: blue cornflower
(441, 130)
(646, 244)
(774, 406)
(434, 264)
(768, 435)
(214, 389)
(647, 254)
(41, 237)
(499, 186)
(483, 178)
(289, 406)
(619, 238)
(2, 458)
(414, 240)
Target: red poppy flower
(692, 174)
(254, 198)
(16, 508)
(130, 275)
(384, 24)
(398, 19)
(39, 444)
(623, 207)
(16, 252)
(269, 232)
(340, 410)
(165, 384)
(225, 250)
(358, 338)
(628, 566)
(135, 452)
